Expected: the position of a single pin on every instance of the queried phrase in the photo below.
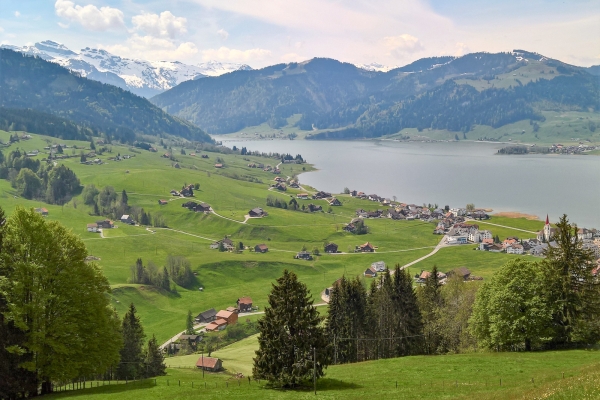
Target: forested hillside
(439, 93)
(32, 83)
(32, 121)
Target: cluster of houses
(197, 207)
(186, 191)
(265, 168)
(331, 200)
(573, 149)
(217, 321)
(98, 225)
(462, 272)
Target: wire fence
(407, 388)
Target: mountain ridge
(141, 77)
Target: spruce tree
(154, 361)
(189, 324)
(166, 282)
(407, 316)
(124, 198)
(430, 301)
(132, 356)
(289, 331)
(574, 288)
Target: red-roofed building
(209, 364)
(228, 316)
(217, 325)
(244, 304)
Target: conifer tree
(407, 317)
(574, 289)
(132, 355)
(430, 301)
(154, 361)
(124, 198)
(189, 324)
(289, 331)
(166, 282)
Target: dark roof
(461, 271)
(186, 337)
(207, 314)
(207, 362)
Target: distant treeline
(32, 121)
(523, 150)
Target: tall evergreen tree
(132, 356)
(189, 324)
(154, 361)
(574, 289)
(406, 315)
(124, 198)
(166, 282)
(430, 301)
(289, 333)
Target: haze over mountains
(142, 77)
(432, 93)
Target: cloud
(90, 16)
(461, 49)
(152, 48)
(223, 34)
(234, 55)
(17, 14)
(402, 44)
(163, 25)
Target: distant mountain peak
(142, 77)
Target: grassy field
(463, 376)
(148, 177)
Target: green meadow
(232, 191)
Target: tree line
(34, 180)
(177, 268)
(56, 321)
(106, 202)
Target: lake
(451, 173)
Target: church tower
(548, 231)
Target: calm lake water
(451, 173)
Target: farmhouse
(217, 325)
(203, 207)
(227, 244)
(209, 364)
(257, 213)
(303, 255)
(92, 227)
(261, 248)
(302, 196)
(228, 316)
(321, 195)
(370, 273)
(126, 219)
(314, 208)
(162, 202)
(365, 248)
(42, 211)
(334, 202)
(105, 224)
(206, 316)
(244, 304)
(331, 248)
(187, 191)
(463, 272)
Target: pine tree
(154, 361)
(289, 331)
(124, 198)
(166, 282)
(189, 324)
(430, 301)
(132, 355)
(407, 316)
(574, 288)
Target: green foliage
(31, 82)
(28, 184)
(132, 355)
(180, 270)
(57, 299)
(150, 275)
(90, 194)
(154, 361)
(62, 185)
(574, 289)
(32, 121)
(512, 309)
(289, 333)
(189, 324)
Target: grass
(147, 177)
(464, 376)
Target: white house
(379, 266)
(584, 234)
(452, 240)
(514, 248)
(92, 228)
(458, 212)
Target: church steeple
(547, 220)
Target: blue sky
(264, 32)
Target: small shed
(331, 248)
(126, 219)
(209, 364)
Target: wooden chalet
(210, 364)
(261, 248)
(244, 304)
(331, 248)
(365, 248)
(206, 316)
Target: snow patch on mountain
(376, 67)
(142, 77)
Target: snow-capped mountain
(144, 78)
(376, 67)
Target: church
(547, 233)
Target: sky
(266, 32)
